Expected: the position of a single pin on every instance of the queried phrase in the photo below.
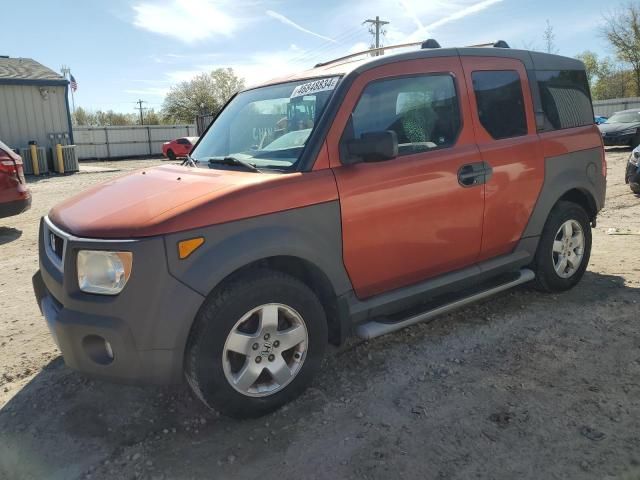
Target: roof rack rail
(498, 44)
(427, 44)
(370, 52)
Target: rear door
(410, 218)
(505, 130)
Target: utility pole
(375, 29)
(140, 102)
(66, 73)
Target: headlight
(103, 272)
(634, 159)
(629, 131)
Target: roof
(531, 60)
(631, 110)
(26, 70)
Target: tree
(205, 93)
(607, 77)
(614, 82)
(101, 118)
(622, 30)
(592, 65)
(151, 117)
(550, 39)
(80, 117)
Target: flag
(74, 84)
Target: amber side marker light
(187, 247)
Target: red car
(15, 197)
(180, 147)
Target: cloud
(286, 21)
(151, 91)
(187, 20)
(422, 33)
(177, 58)
(358, 47)
(411, 13)
(255, 69)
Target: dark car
(622, 128)
(15, 197)
(632, 175)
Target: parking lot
(524, 385)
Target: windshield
(267, 127)
(627, 117)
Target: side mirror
(372, 147)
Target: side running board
(375, 329)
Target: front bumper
(614, 140)
(632, 174)
(16, 207)
(137, 336)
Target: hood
(172, 198)
(129, 205)
(617, 127)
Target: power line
(323, 50)
(376, 30)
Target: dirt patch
(525, 385)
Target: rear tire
(564, 249)
(171, 155)
(235, 344)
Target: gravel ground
(525, 385)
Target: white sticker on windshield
(321, 85)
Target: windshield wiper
(189, 161)
(235, 162)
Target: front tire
(635, 188)
(564, 249)
(256, 344)
(171, 155)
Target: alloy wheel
(265, 350)
(568, 249)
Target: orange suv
(359, 197)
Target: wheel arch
(305, 243)
(308, 273)
(570, 177)
(581, 197)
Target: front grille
(55, 241)
(57, 245)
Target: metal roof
(26, 70)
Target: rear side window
(500, 103)
(422, 110)
(566, 100)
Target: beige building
(34, 104)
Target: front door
(504, 122)
(419, 215)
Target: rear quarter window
(566, 100)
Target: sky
(120, 51)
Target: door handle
(473, 174)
